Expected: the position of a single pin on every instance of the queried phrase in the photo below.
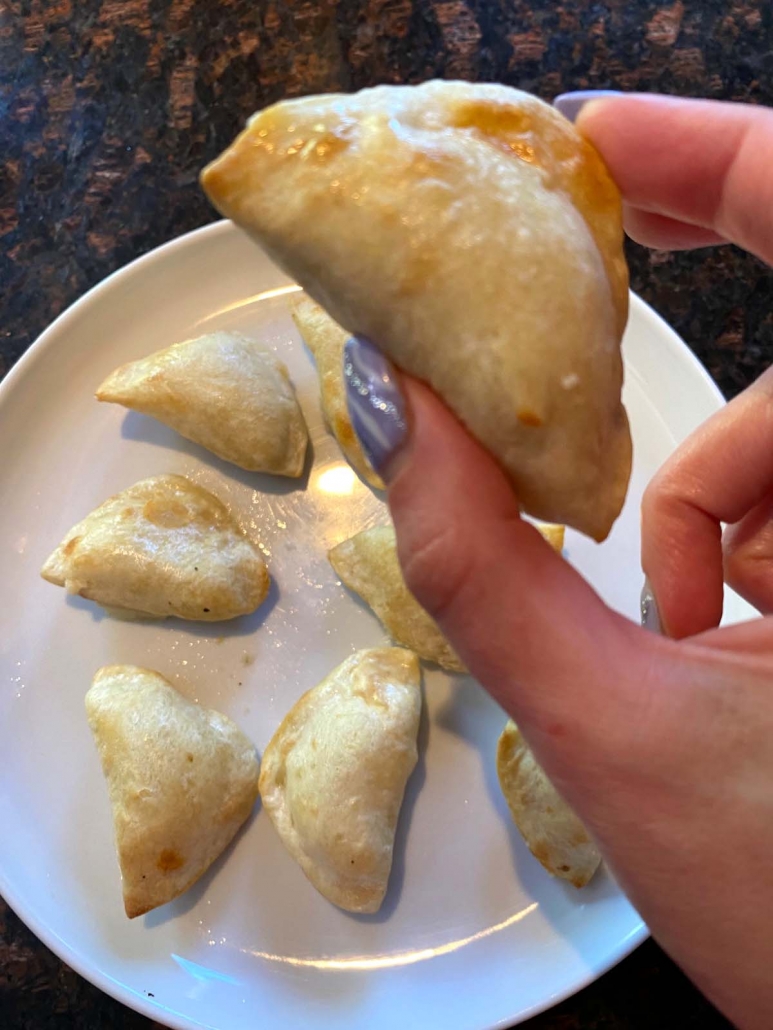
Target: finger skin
(663, 748)
(748, 556)
(523, 621)
(719, 474)
(695, 173)
(662, 233)
(700, 162)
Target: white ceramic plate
(473, 933)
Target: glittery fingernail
(650, 616)
(376, 405)
(570, 104)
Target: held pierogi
(473, 234)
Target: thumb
(525, 623)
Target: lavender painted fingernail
(570, 104)
(376, 405)
(650, 616)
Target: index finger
(700, 162)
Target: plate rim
(82, 965)
(43, 341)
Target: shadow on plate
(144, 429)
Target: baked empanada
(554, 834)
(333, 777)
(223, 391)
(326, 339)
(182, 779)
(367, 563)
(163, 547)
(476, 237)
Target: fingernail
(570, 104)
(376, 405)
(650, 616)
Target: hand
(695, 173)
(664, 747)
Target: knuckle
(436, 570)
(663, 493)
(652, 504)
(669, 505)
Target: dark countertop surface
(108, 109)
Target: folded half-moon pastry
(333, 777)
(367, 563)
(223, 391)
(476, 237)
(326, 340)
(163, 547)
(552, 831)
(182, 779)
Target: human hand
(704, 181)
(663, 747)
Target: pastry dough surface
(367, 563)
(554, 834)
(476, 237)
(326, 340)
(181, 778)
(334, 774)
(163, 547)
(223, 391)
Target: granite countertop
(108, 109)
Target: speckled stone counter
(108, 108)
